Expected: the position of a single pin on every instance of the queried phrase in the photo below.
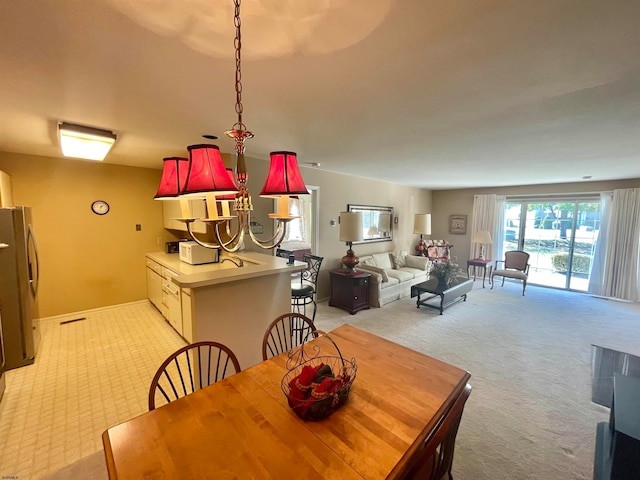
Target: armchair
(516, 265)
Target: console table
(449, 295)
(349, 290)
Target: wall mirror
(377, 223)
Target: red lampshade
(231, 196)
(284, 176)
(174, 177)
(207, 173)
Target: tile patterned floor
(88, 376)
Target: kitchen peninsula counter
(229, 304)
(194, 276)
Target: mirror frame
(373, 213)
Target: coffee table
(449, 295)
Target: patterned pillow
(367, 260)
(400, 258)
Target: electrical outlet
(159, 240)
(138, 227)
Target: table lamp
(422, 226)
(351, 231)
(483, 238)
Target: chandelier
(203, 175)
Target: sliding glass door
(559, 234)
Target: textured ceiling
(461, 93)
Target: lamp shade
(230, 196)
(351, 226)
(422, 223)
(483, 237)
(174, 177)
(284, 176)
(207, 173)
(90, 143)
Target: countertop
(194, 276)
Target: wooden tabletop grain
(242, 427)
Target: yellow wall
(460, 202)
(86, 260)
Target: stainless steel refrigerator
(18, 287)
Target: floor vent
(74, 320)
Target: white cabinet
(171, 210)
(6, 194)
(154, 284)
(172, 300)
(164, 294)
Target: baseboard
(83, 313)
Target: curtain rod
(557, 196)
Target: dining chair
(303, 293)
(191, 368)
(516, 265)
(435, 458)
(285, 332)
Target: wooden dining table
(242, 427)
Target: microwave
(194, 254)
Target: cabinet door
(171, 210)
(360, 292)
(154, 288)
(175, 306)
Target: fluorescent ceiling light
(78, 141)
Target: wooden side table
(482, 263)
(349, 290)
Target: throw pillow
(382, 260)
(367, 260)
(381, 271)
(400, 258)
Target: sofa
(393, 274)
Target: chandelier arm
(197, 240)
(232, 236)
(281, 232)
(225, 246)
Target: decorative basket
(317, 385)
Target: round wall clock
(100, 207)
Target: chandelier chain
(238, 47)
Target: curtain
(620, 279)
(297, 228)
(488, 214)
(498, 229)
(598, 266)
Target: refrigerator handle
(33, 283)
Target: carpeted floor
(529, 415)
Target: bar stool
(303, 293)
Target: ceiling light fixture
(203, 175)
(90, 143)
